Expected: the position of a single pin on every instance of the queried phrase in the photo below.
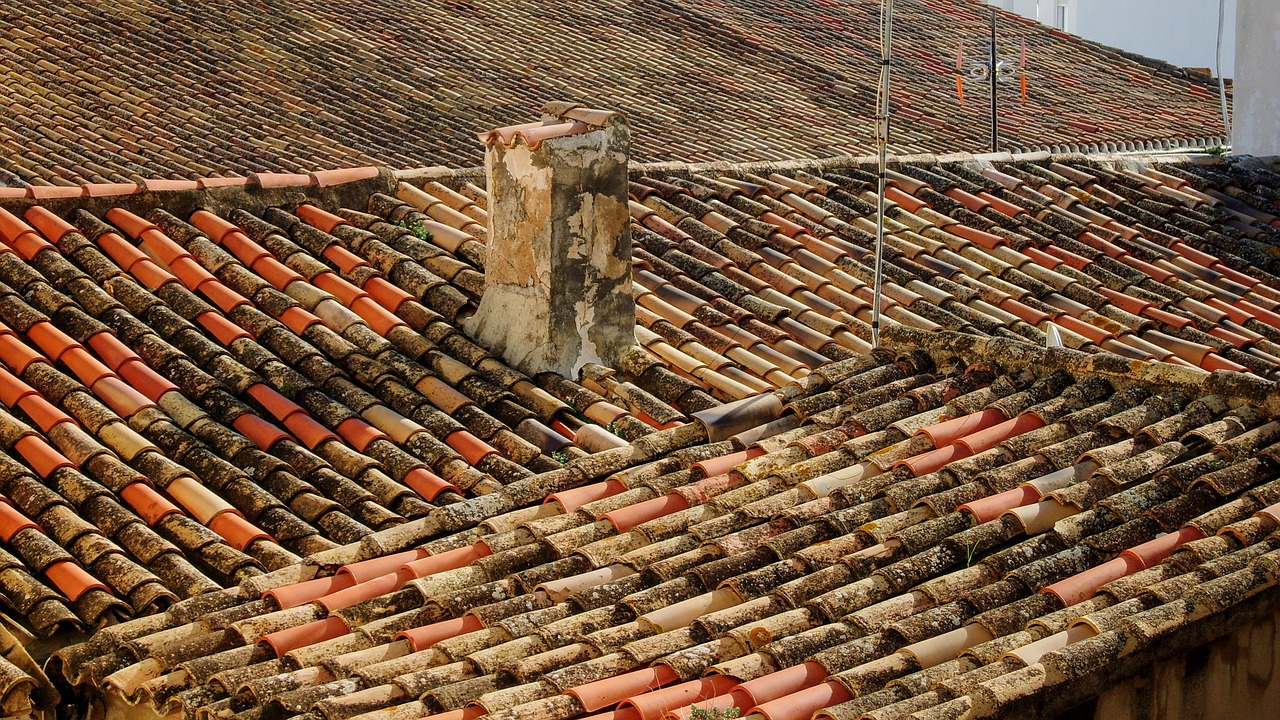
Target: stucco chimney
(558, 267)
(1256, 90)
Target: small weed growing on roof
(289, 390)
(699, 713)
(560, 456)
(613, 428)
(971, 549)
(1218, 150)
(415, 228)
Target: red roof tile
(117, 126)
(830, 540)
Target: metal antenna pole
(1222, 84)
(995, 117)
(882, 142)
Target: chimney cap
(565, 111)
(559, 119)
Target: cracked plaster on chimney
(558, 279)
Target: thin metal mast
(1222, 84)
(995, 75)
(882, 143)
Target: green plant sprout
(415, 228)
(699, 713)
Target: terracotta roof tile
(113, 125)
(325, 462)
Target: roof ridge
(320, 179)
(445, 175)
(264, 180)
(1233, 387)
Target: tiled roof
(161, 90)
(252, 441)
(1169, 264)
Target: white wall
(1043, 9)
(1257, 86)
(1183, 32)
